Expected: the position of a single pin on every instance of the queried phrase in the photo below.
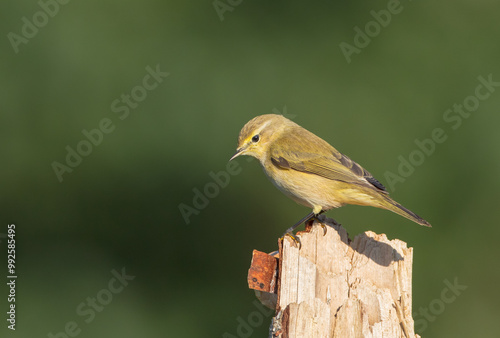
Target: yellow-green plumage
(309, 170)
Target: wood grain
(335, 287)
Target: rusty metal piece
(263, 272)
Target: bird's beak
(239, 152)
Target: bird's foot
(324, 228)
(293, 237)
(320, 219)
(323, 221)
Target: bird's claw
(293, 237)
(320, 219)
(324, 228)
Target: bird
(310, 171)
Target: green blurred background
(119, 208)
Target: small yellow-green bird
(310, 171)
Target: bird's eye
(256, 138)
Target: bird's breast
(306, 189)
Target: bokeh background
(120, 207)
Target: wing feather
(328, 162)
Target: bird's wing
(328, 162)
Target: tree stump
(335, 287)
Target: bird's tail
(400, 210)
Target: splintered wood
(334, 287)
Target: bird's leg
(316, 217)
(289, 231)
(310, 216)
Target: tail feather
(400, 210)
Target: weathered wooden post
(335, 287)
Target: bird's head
(258, 134)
